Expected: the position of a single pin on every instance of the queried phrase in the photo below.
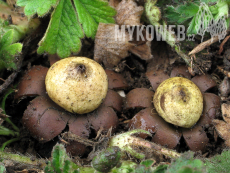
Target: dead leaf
(142, 47)
(128, 13)
(223, 127)
(114, 3)
(109, 48)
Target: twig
(71, 136)
(203, 45)
(8, 81)
(227, 73)
(222, 44)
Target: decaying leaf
(114, 3)
(128, 13)
(110, 45)
(223, 127)
(142, 47)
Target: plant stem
(7, 132)
(40, 163)
(8, 142)
(154, 147)
(128, 143)
(12, 124)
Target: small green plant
(199, 17)
(129, 143)
(70, 22)
(197, 14)
(10, 34)
(106, 159)
(218, 163)
(61, 162)
(14, 132)
(2, 169)
(186, 163)
(8, 50)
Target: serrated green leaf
(68, 25)
(172, 16)
(64, 32)
(41, 7)
(91, 13)
(218, 163)
(186, 161)
(59, 157)
(188, 10)
(181, 13)
(8, 51)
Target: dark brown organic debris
(110, 47)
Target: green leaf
(41, 7)
(8, 51)
(186, 163)
(218, 163)
(63, 33)
(67, 25)
(2, 169)
(91, 13)
(181, 13)
(61, 163)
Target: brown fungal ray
(76, 148)
(211, 109)
(53, 58)
(195, 138)
(180, 71)
(139, 98)
(116, 80)
(103, 119)
(44, 119)
(204, 82)
(80, 126)
(32, 82)
(148, 119)
(156, 77)
(113, 100)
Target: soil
(133, 69)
